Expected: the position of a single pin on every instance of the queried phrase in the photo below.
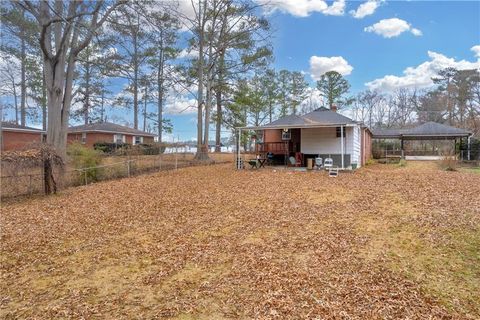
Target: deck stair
(333, 172)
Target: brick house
(14, 136)
(107, 132)
(321, 133)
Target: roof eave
(114, 132)
(23, 130)
(298, 126)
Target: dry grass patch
(448, 270)
(328, 194)
(212, 243)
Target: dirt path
(214, 243)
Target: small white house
(321, 133)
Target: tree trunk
(218, 93)
(86, 103)
(44, 100)
(15, 100)
(145, 109)
(160, 93)
(135, 82)
(208, 107)
(23, 84)
(270, 111)
(50, 186)
(200, 66)
(218, 143)
(102, 107)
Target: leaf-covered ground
(214, 243)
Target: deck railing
(281, 147)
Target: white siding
(324, 141)
(356, 146)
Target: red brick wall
(94, 137)
(12, 140)
(272, 135)
(366, 145)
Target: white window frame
(116, 138)
(135, 140)
(84, 138)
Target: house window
(118, 138)
(339, 132)
(84, 137)
(138, 140)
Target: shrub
(147, 149)
(369, 162)
(111, 147)
(83, 157)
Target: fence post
(85, 174)
(128, 168)
(30, 185)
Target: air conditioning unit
(286, 134)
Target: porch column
(341, 145)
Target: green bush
(369, 162)
(82, 157)
(147, 149)
(110, 147)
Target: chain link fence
(20, 183)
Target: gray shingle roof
(288, 121)
(434, 129)
(428, 129)
(327, 117)
(108, 127)
(13, 126)
(387, 133)
(319, 117)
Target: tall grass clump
(449, 160)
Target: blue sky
(448, 27)
(439, 34)
(377, 44)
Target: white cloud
(389, 28)
(180, 105)
(420, 76)
(476, 50)
(320, 65)
(303, 8)
(336, 9)
(188, 53)
(416, 32)
(365, 9)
